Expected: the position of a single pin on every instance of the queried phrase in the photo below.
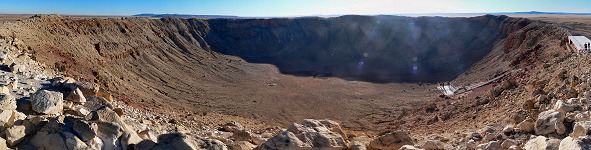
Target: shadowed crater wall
(366, 48)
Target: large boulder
(7, 102)
(243, 135)
(15, 134)
(95, 143)
(47, 102)
(241, 145)
(582, 116)
(15, 68)
(129, 138)
(323, 139)
(5, 117)
(113, 132)
(84, 130)
(492, 145)
(104, 94)
(109, 132)
(391, 141)
(56, 133)
(57, 140)
(81, 110)
(431, 145)
(489, 133)
(232, 127)
(508, 143)
(94, 103)
(310, 134)
(61, 81)
(548, 121)
(4, 90)
(104, 114)
(76, 96)
(358, 145)
(569, 143)
(581, 128)
(3, 143)
(177, 141)
(560, 127)
(283, 140)
(212, 144)
(87, 88)
(145, 145)
(73, 142)
(542, 143)
(563, 107)
(333, 126)
(14, 116)
(147, 135)
(48, 140)
(319, 133)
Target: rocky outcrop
(569, 143)
(179, 141)
(101, 128)
(431, 145)
(7, 102)
(87, 88)
(14, 135)
(310, 134)
(581, 128)
(550, 121)
(391, 141)
(527, 125)
(35, 114)
(284, 140)
(76, 96)
(47, 102)
(492, 145)
(541, 142)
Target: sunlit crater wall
(366, 48)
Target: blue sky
(285, 7)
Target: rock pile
(55, 123)
(38, 111)
(563, 125)
(60, 113)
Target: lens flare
(360, 65)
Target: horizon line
(320, 15)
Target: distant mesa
(339, 15)
(545, 13)
(185, 16)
